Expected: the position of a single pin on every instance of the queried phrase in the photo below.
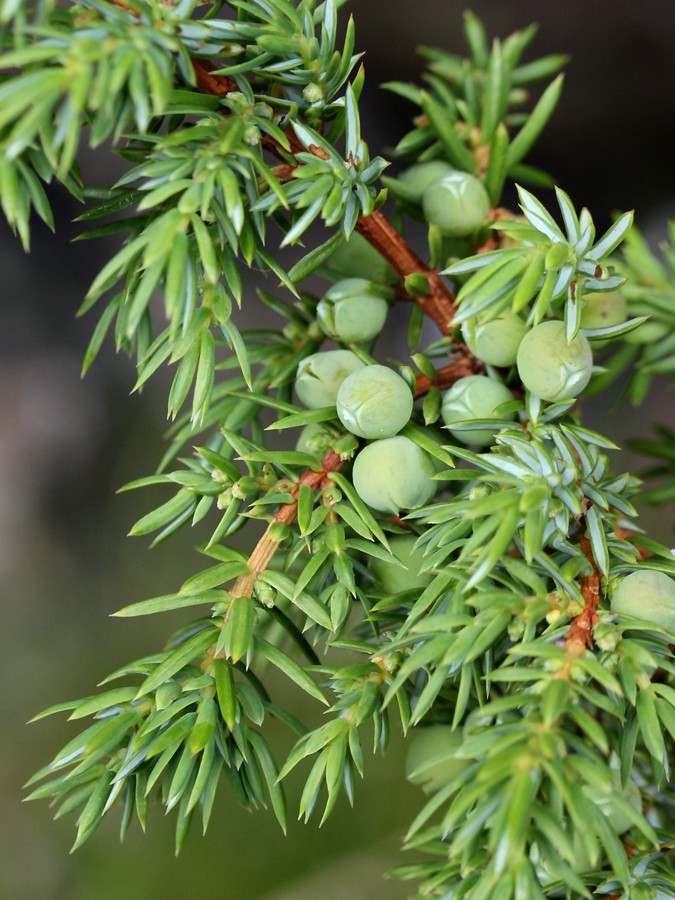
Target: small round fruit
(320, 375)
(356, 258)
(353, 309)
(646, 595)
(495, 342)
(603, 311)
(315, 439)
(457, 203)
(416, 179)
(475, 397)
(374, 402)
(394, 474)
(392, 579)
(429, 761)
(549, 366)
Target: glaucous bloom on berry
(646, 595)
(416, 179)
(374, 402)
(475, 397)
(320, 375)
(457, 202)
(353, 309)
(496, 341)
(550, 366)
(394, 474)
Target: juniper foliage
(239, 123)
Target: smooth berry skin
(602, 310)
(374, 402)
(394, 474)
(417, 178)
(391, 578)
(495, 342)
(646, 595)
(352, 310)
(475, 397)
(320, 375)
(457, 203)
(549, 366)
(434, 742)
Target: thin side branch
(464, 365)
(580, 634)
(439, 304)
(267, 546)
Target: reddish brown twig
(465, 364)
(439, 304)
(218, 85)
(267, 546)
(580, 634)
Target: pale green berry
(475, 397)
(495, 342)
(392, 579)
(429, 760)
(374, 402)
(394, 474)
(416, 179)
(320, 375)
(551, 367)
(356, 258)
(316, 439)
(353, 309)
(646, 595)
(603, 311)
(457, 203)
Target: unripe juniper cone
(551, 367)
(416, 179)
(374, 402)
(602, 311)
(320, 375)
(475, 397)
(646, 595)
(353, 310)
(457, 202)
(394, 474)
(496, 341)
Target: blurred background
(67, 445)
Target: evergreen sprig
(482, 606)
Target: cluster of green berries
(548, 365)
(373, 402)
